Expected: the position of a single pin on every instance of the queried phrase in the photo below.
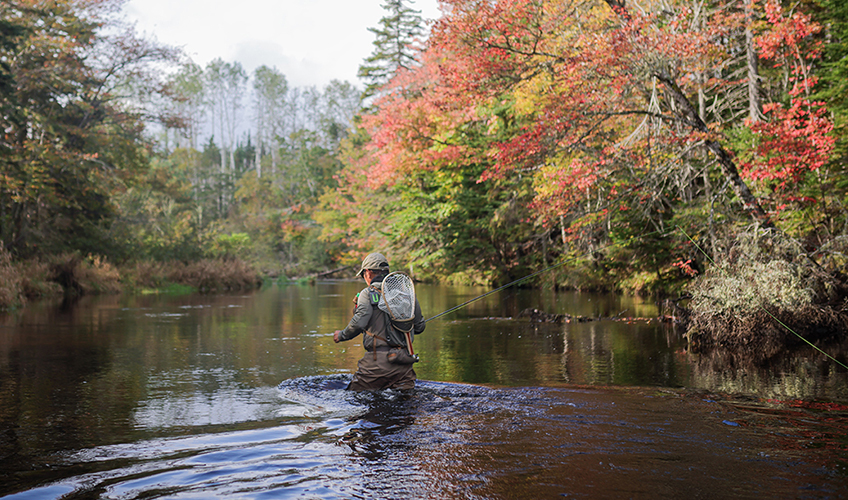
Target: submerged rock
(537, 316)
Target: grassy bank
(206, 275)
(76, 275)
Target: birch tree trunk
(755, 106)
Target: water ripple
(449, 441)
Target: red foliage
(796, 140)
(793, 143)
(787, 35)
(414, 126)
(686, 267)
(595, 126)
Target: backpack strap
(374, 298)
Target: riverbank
(762, 335)
(74, 275)
(768, 294)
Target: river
(240, 396)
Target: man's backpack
(397, 300)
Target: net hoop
(398, 297)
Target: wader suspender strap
(374, 335)
(373, 298)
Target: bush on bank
(764, 285)
(11, 287)
(205, 275)
(68, 274)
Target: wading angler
(389, 316)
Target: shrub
(229, 245)
(84, 276)
(204, 275)
(216, 274)
(96, 275)
(146, 274)
(765, 275)
(750, 286)
(37, 279)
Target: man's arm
(359, 321)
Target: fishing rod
(529, 276)
(775, 318)
(460, 306)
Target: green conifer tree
(833, 86)
(394, 45)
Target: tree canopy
(603, 121)
(74, 97)
(507, 135)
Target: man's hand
(336, 336)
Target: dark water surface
(240, 396)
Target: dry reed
(205, 275)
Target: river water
(240, 396)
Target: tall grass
(38, 279)
(69, 273)
(88, 275)
(207, 275)
(74, 275)
(11, 287)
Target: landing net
(398, 297)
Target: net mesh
(398, 297)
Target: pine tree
(833, 86)
(394, 47)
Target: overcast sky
(309, 41)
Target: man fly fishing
(390, 316)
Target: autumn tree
(76, 87)
(186, 92)
(625, 120)
(794, 145)
(832, 88)
(340, 103)
(225, 85)
(269, 94)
